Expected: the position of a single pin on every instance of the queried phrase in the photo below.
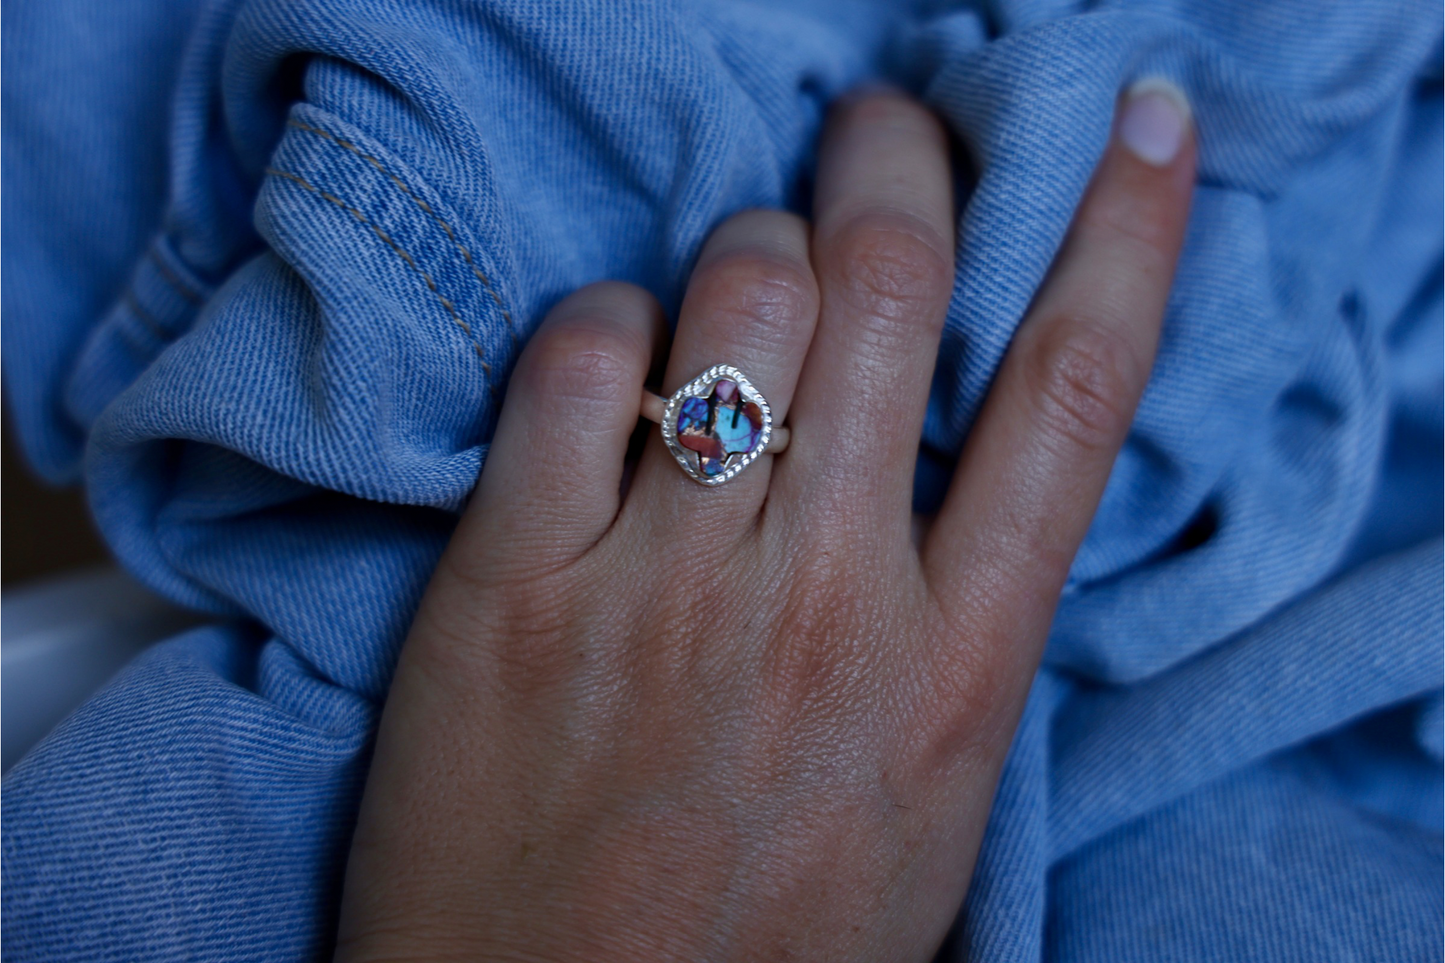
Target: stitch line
(181, 287)
(145, 317)
(407, 258)
(451, 235)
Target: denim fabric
(268, 263)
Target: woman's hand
(759, 721)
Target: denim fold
(267, 266)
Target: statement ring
(715, 425)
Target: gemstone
(719, 427)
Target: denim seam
(146, 318)
(427, 208)
(183, 289)
(410, 261)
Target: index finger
(1035, 466)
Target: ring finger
(751, 303)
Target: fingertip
(1155, 121)
(1142, 188)
(877, 110)
(871, 86)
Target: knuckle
(817, 655)
(972, 679)
(966, 695)
(835, 632)
(532, 667)
(756, 291)
(889, 263)
(970, 658)
(521, 646)
(1084, 379)
(586, 359)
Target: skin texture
(762, 721)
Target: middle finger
(883, 255)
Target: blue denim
(267, 265)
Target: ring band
(715, 425)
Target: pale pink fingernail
(1155, 120)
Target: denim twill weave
(267, 265)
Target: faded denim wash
(267, 265)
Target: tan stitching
(145, 317)
(431, 285)
(181, 287)
(466, 255)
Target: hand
(759, 721)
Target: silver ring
(716, 425)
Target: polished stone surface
(719, 427)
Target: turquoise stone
(719, 427)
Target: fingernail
(1156, 117)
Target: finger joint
(890, 266)
(584, 359)
(757, 297)
(1084, 378)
